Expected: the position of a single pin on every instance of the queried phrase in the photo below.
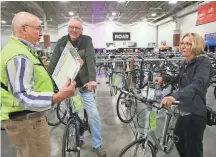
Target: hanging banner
(206, 13)
(121, 36)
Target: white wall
(7, 32)
(187, 24)
(142, 33)
(165, 33)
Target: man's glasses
(37, 28)
(186, 44)
(74, 28)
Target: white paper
(68, 66)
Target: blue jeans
(93, 118)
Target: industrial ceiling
(126, 12)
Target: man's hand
(91, 85)
(158, 80)
(65, 92)
(167, 101)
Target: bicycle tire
(110, 85)
(138, 141)
(2, 127)
(114, 90)
(61, 118)
(86, 118)
(168, 140)
(66, 137)
(118, 112)
(50, 123)
(215, 92)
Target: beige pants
(31, 137)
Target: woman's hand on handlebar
(167, 101)
(158, 80)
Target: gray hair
(75, 18)
(20, 19)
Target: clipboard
(68, 65)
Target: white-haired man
(86, 76)
(27, 90)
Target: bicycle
(75, 127)
(165, 143)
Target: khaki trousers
(31, 137)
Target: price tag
(77, 103)
(151, 94)
(153, 120)
(116, 80)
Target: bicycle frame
(160, 143)
(74, 115)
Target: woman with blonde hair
(193, 80)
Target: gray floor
(115, 134)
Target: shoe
(100, 152)
(81, 143)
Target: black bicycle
(75, 127)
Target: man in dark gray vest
(85, 77)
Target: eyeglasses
(186, 44)
(73, 27)
(39, 28)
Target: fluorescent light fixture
(3, 21)
(113, 13)
(153, 14)
(71, 13)
(173, 2)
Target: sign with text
(120, 36)
(206, 13)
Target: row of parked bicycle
(133, 78)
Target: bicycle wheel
(62, 113)
(215, 92)
(126, 107)
(114, 90)
(169, 136)
(70, 143)
(2, 127)
(137, 149)
(110, 85)
(86, 121)
(52, 117)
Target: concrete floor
(115, 134)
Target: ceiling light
(71, 13)
(3, 21)
(41, 21)
(145, 19)
(173, 2)
(113, 13)
(153, 14)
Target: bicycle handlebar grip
(177, 103)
